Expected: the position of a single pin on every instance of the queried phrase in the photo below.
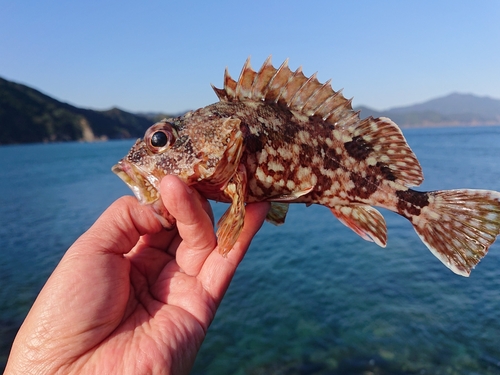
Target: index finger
(119, 228)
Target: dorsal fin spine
(245, 82)
(322, 97)
(353, 116)
(275, 87)
(323, 109)
(266, 88)
(241, 77)
(299, 101)
(221, 93)
(258, 92)
(283, 93)
(229, 85)
(340, 111)
(286, 88)
(312, 98)
(295, 83)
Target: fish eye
(159, 139)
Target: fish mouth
(143, 185)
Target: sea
(310, 297)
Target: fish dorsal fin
(285, 87)
(380, 142)
(376, 141)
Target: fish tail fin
(458, 226)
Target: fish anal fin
(231, 222)
(277, 213)
(458, 226)
(364, 220)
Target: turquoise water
(310, 297)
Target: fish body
(279, 136)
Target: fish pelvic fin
(364, 220)
(231, 223)
(458, 226)
(277, 213)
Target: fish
(279, 136)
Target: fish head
(139, 169)
(200, 151)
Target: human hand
(129, 297)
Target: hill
(453, 109)
(27, 115)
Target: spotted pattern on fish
(276, 135)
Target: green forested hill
(27, 115)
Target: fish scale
(276, 135)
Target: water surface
(311, 297)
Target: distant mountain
(453, 109)
(456, 103)
(27, 115)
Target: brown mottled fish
(279, 136)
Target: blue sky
(163, 55)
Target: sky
(162, 56)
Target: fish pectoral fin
(277, 213)
(231, 223)
(365, 220)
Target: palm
(163, 304)
(130, 298)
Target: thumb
(194, 223)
